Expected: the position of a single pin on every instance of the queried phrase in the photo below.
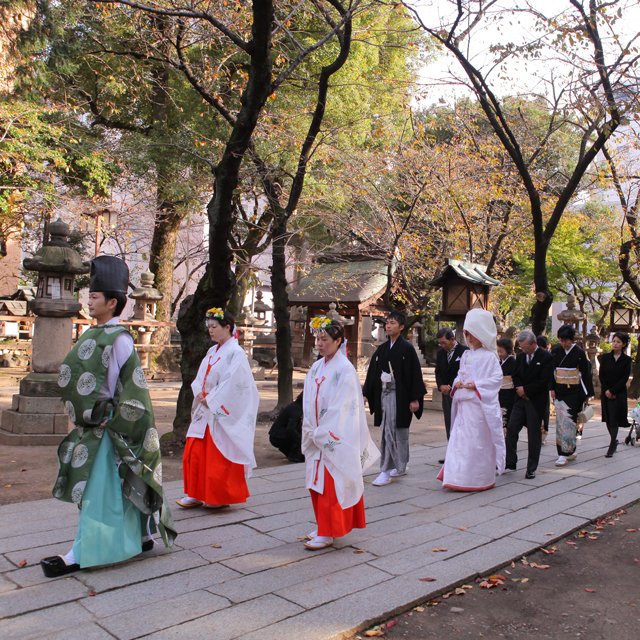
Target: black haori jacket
(408, 377)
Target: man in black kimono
(531, 379)
(571, 386)
(395, 390)
(447, 365)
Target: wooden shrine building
(351, 288)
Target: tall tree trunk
(281, 309)
(217, 283)
(161, 263)
(544, 297)
(167, 218)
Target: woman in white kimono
(335, 438)
(218, 455)
(476, 449)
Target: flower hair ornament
(319, 324)
(215, 313)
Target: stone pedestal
(37, 415)
(52, 340)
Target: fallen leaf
(418, 609)
(22, 563)
(374, 633)
(467, 586)
(217, 546)
(439, 549)
(497, 576)
(91, 593)
(582, 534)
(535, 565)
(427, 579)
(636, 560)
(462, 528)
(433, 603)
(549, 551)
(593, 538)
(588, 590)
(524, 580)
(570, 542)
(549, 533)
(459, 591)
(391, 624)
(620, 512)
(359, 551)
(7, 486)
(445, 596)
(632, 530)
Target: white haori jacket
(334, 429)
(230, 406)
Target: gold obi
(507, 382)
(564, 375)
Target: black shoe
(530, 475)
(611, 450)
(510, 467)
(55, 566)
(147, 545)
(441, 461)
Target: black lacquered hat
(109, 273)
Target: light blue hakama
(110, 527)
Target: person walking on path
(286, 431)
(218, 455)
(476, 449)
(545, 345)
(447, 366)
(531, 379)
(615, 369)
(571, 386)
(395, 390)
(336, 442)
(109, 464)
(507, 395)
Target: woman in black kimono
(615, 369)
(507, 393)
(571, 386)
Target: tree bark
(281, 309)
(217, 284)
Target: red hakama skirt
(334, 521)
(209, 476)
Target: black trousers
(446, 409)
(524, 414)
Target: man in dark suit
(447, 365)
(531, 379)
(395, 390)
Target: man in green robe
(109, 464)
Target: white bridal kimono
(476, 448)
(334, 429)
(230, 407)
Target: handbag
(585, 415)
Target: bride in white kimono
(476, 449)
(335, 438)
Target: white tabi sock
(69, 558)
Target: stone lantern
(260, 308)
(571, 315)
(37, 415)
(146, 297)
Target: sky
(440, 78)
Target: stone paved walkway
(243, 572)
